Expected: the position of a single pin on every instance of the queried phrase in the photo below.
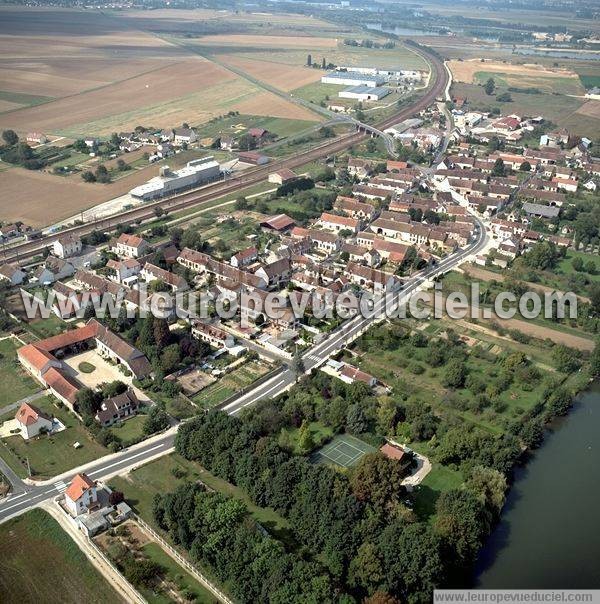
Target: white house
(81, 495)
(32, 421)
(12, 273)
(215, 336)
(123, 269)
(130, 246)
(184, 135)
(67, 246)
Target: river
(549, 534)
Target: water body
(549, 535)
(403, 31)
(560, 54)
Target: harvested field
(268, 41)
(591, 109)
(40, 198)
(7, 105)
(284, 77)
(166, 84)
(464, 71)
(266, 103)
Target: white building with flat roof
(352, 78)
(364, 93)
(196, 172)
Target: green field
(130, 430)
(21, 98)
(15, 383)
(238, 124)
(44, 328)
(440, 479)
(589, 81)
(174, 573)
(50, 455)
(39, 562)
(557, 108)
(317, 92)
(230, 383)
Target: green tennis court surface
(344, 450)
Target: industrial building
(352, 78)
(197, 172)
(364, 93)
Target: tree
(309, 61)
(377, 480)
(305, 439)
(577, 263)
(366, 569)
(566, 358)
(499, 169)
(297, 366)
(461, 520)
(455, 373)
(162, 334)
(490, 86)
(191, 238)
(525, 167)
(595, 361)
(102, 174)
(156, 420)
(490, 486)
(356, 420)
(241, 203)
(323, 63)
(88, 176)
(10, 137)
(87, 402)
(505, 97)
(170, 358)
(113, 388)
(246, 142)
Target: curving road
(27, 496)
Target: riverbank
(549, 533)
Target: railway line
(27, 250)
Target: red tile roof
(62, 384)
(34, 356)
(29, 414)
(392, 452)
(79, 485)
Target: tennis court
(344, 450)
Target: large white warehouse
(352, 78)
(197, 172)
(364, 93)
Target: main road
(27, 496)
(28, 249)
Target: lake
(549, 534)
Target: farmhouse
(356, 209)
(31, 421)
(282, 176)
(333, 222)
(253, 158)
(244, 257)
(41, 359)
(184, 135)
(359, 167)
(279, 223)
(37, 138)
(540, 211)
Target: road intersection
(27, 495)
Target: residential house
(333, 222)
(31, 421)
(118, 408)
(211, 334)
(354, 208)
(151, 272)
(282, 176)
(244, 257)
(130, 246)
(359, 167)
(67, 246)
(12, 273)
(81, 495)
(275, 273)
(37, 138)
(123, 270)
(54, 269)
(184, 136)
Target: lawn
(130, 430)
(86, 367)
(239, 124)
(565, 265)
(174, 573)
(230, 383)
(319, 434)
(317, 92)
(34, 545)
(15, 383)
(51, 455)
(44, 328)
(167, 473)
(439, 479)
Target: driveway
(104, 372)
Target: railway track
(27, 250)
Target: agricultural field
(15, 383)
(34, 545)
(50, 455)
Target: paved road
(29, 496)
